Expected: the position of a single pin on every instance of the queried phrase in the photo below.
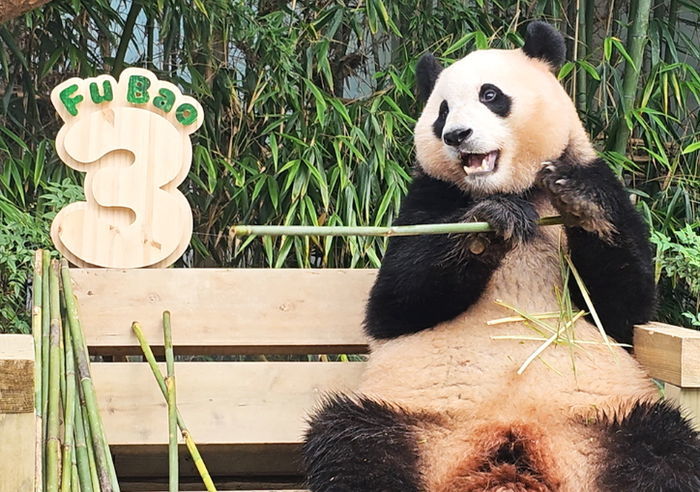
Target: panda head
(493, 117)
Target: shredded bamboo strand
(103, 458)
(37, 306)
(406, 230)
(172, 405)
(189, 442)
(53, 444)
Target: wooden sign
(131, 138)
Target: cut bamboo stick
(37, 306)
(172, 406)
(103, 458)
(45, 328)
(53, 444)
(81, 452)
(407, 230)
(69, 420)
(189, 442)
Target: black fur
(544, 42)
(361, 445)
(427, 71)
(439, 123)
(617, 270)
(653, 449)
(425, 280)
(500, 105)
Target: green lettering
(165, 100)
(106, 92)
(70, 102)
(186, 114)
(137, 92)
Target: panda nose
(456, 137)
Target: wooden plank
(669, 353)
(16, 374)
(221, 402)
(688, 399)
(247, 417)
(246, 311)
(17, 419)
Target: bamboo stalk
(53, 444)
(407, 230)
(189, 442)
(172, 402)
(103, 458)
(94, 478)
(37, 306)
(636, 40)
(81, 452)
(68, 424)
(45, 329)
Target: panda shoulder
(429, 197)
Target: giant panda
(441, 407)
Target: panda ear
(544, 42)
(427, 71)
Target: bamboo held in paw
(53, 444)
(189, 442)
(37, 303)
(103, 458)
(171, 397)
(407, 230)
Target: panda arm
(608, 242)
(425, 280)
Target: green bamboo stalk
(94, 478)
(37, 306)
(53, 444)
(45, 329)
(172, 402)
(580, 51)
(407, 230)
(636, 40)
(82, 457)
(69, 420)
(103, 458)
(189, 442)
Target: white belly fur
(456, 370)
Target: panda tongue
(480, 162)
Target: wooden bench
(247, 417)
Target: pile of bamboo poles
(72, 452)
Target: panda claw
(561, 182)
(551, 168)
(546, 163)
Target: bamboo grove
(310, 106)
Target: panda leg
(652, 449)
(361, 445)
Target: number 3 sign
(131, 138)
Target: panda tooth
(466, 169)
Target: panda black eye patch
(439, 123)
(494, 99)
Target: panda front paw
(578, 193)
(513, 219)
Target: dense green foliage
(309, 110)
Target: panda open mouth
(479, 164)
